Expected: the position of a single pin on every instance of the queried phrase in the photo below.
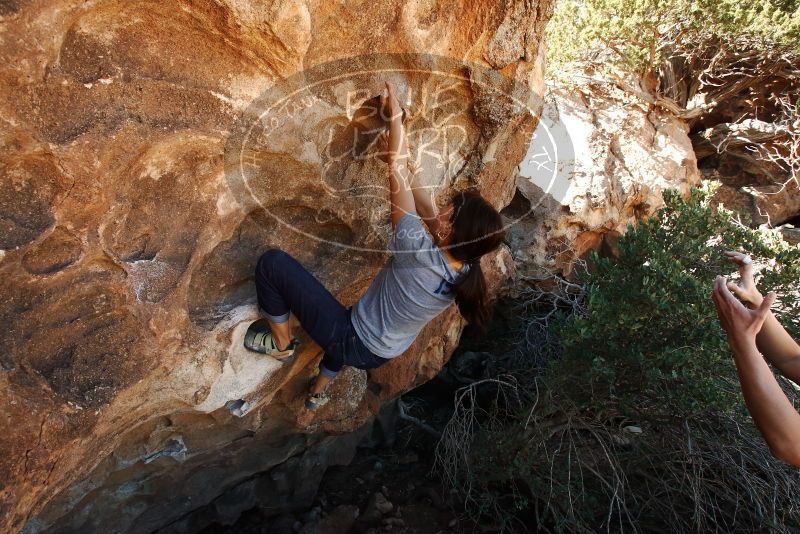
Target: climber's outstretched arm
(399, 177)
(772, 412)
(423, 199)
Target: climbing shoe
(316, 400)
(258, 338)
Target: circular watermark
(308, 153)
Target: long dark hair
(477, 230)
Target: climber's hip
(283, 285)
(349, 350)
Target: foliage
(730, 69)
(636, 28)
(661, 340)
(638, 425)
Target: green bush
(650, 336)
(632, 27)
(639, 424)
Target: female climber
(426, 273)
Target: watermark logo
(307, 151)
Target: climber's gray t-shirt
(413, 288)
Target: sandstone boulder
(598, 161)
(127, 244)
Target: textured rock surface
(758, 202)
(597, 162)
(126, 260)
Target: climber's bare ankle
(283, 343)
(320, 384)
(282, 334)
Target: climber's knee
(270, 259)
(274, 254)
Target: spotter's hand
(746, 290)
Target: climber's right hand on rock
(746, 289)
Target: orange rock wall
(126, 258)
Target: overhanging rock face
(143, 173)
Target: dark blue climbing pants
(283, 286)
